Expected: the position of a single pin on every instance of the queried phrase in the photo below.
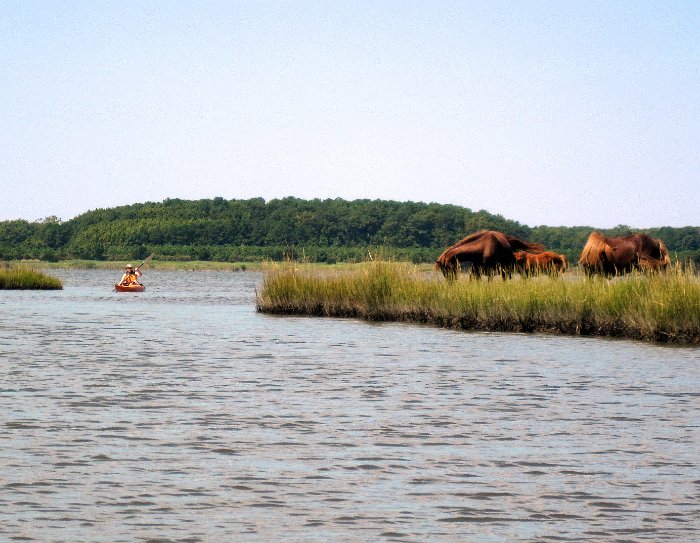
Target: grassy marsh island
(653, 307)
(14, 277)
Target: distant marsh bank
(164, 265)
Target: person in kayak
(131, 276)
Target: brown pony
(533, 264)
(618, 255)
(488, 251)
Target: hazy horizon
(547, 113)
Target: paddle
(145, 261)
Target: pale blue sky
(557, 113)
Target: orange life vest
(129, 278)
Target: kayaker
(131, 276)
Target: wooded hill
(317, 230)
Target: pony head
(663, 256)
(448, 266)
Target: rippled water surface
(180, 414)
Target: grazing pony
(489, 252)
(529, 264)
(618, 255)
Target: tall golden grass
(656, 307)
(23, 278)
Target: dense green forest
(330, 231)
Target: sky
(560, 113)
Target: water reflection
(180, 414)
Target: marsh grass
(655, 307)
(25, 278)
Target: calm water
(181, 414)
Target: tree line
(331, 230)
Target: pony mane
(523, 245)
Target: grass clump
(20, 278)
(655, 307)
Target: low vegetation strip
(17, 278)
(653, 307)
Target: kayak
(129, 288)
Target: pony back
(522, 245)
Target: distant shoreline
(181, 265)
(324, 231)
(161, 265)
